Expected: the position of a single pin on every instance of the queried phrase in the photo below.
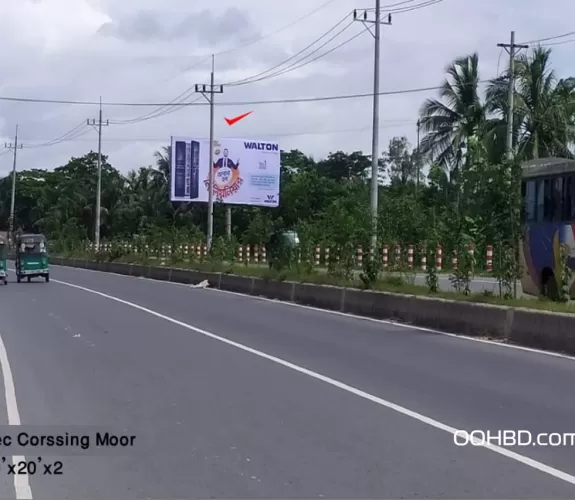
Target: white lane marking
(354, 316)
(396, 323)
(21, 483)
(336, 383)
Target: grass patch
(301, 274)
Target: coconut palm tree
(544, 109)
(163, 161)
(448, 123)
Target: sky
(152, 51)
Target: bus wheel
(549, 285)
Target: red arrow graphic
(231, 121)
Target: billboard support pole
(208, 92)
(229, 222)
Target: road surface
(238, 397)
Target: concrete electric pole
(363, 17)
(14, 147)
(208, 91)
(511, 49)
(98, 126)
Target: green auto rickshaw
(3, 264)
(32, 257)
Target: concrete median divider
(527, 327)
(543, 330)
(272, 289)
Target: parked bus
(548, 190)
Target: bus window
(547, 200)
(569, 198)
(557, 199)
(530, 200)
(540, 216)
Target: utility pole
(98, 126)
(363, 18)
(418, 165)
(15, 147)
(208, 91)
(511, 49)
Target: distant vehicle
(3, 255)
(548, 190)
(31, 257)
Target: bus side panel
(539, 249)
(542, 250)
(530, 279)
(567, 237)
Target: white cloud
(149, 50)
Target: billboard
(246, 171)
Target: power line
(230, 103)
(551, 44)
(172, 106)
(420, 6)
(191, 90)
(304, 62)
(556, 37)
(257, 76)
(253, 79)
(169, 109)
(76, 132)
(391, 9)
(386, 124)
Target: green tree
(449, 123)
(544, 109)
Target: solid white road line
(336, 383)
(21, 483)
(349, 315)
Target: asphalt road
(237, 397)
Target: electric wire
(289, 69)
(392, 9)
(269, 73)
(190, 90)
(552, 44)
(163, 110)
(548, 39)
(244, 81)
(384, 124)
(72, 134)
(340, 97)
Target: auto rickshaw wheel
(18, 278)
(5, 281)
(47, 276)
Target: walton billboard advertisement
(246, 172)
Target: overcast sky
(154, 50)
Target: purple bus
(548, 189)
